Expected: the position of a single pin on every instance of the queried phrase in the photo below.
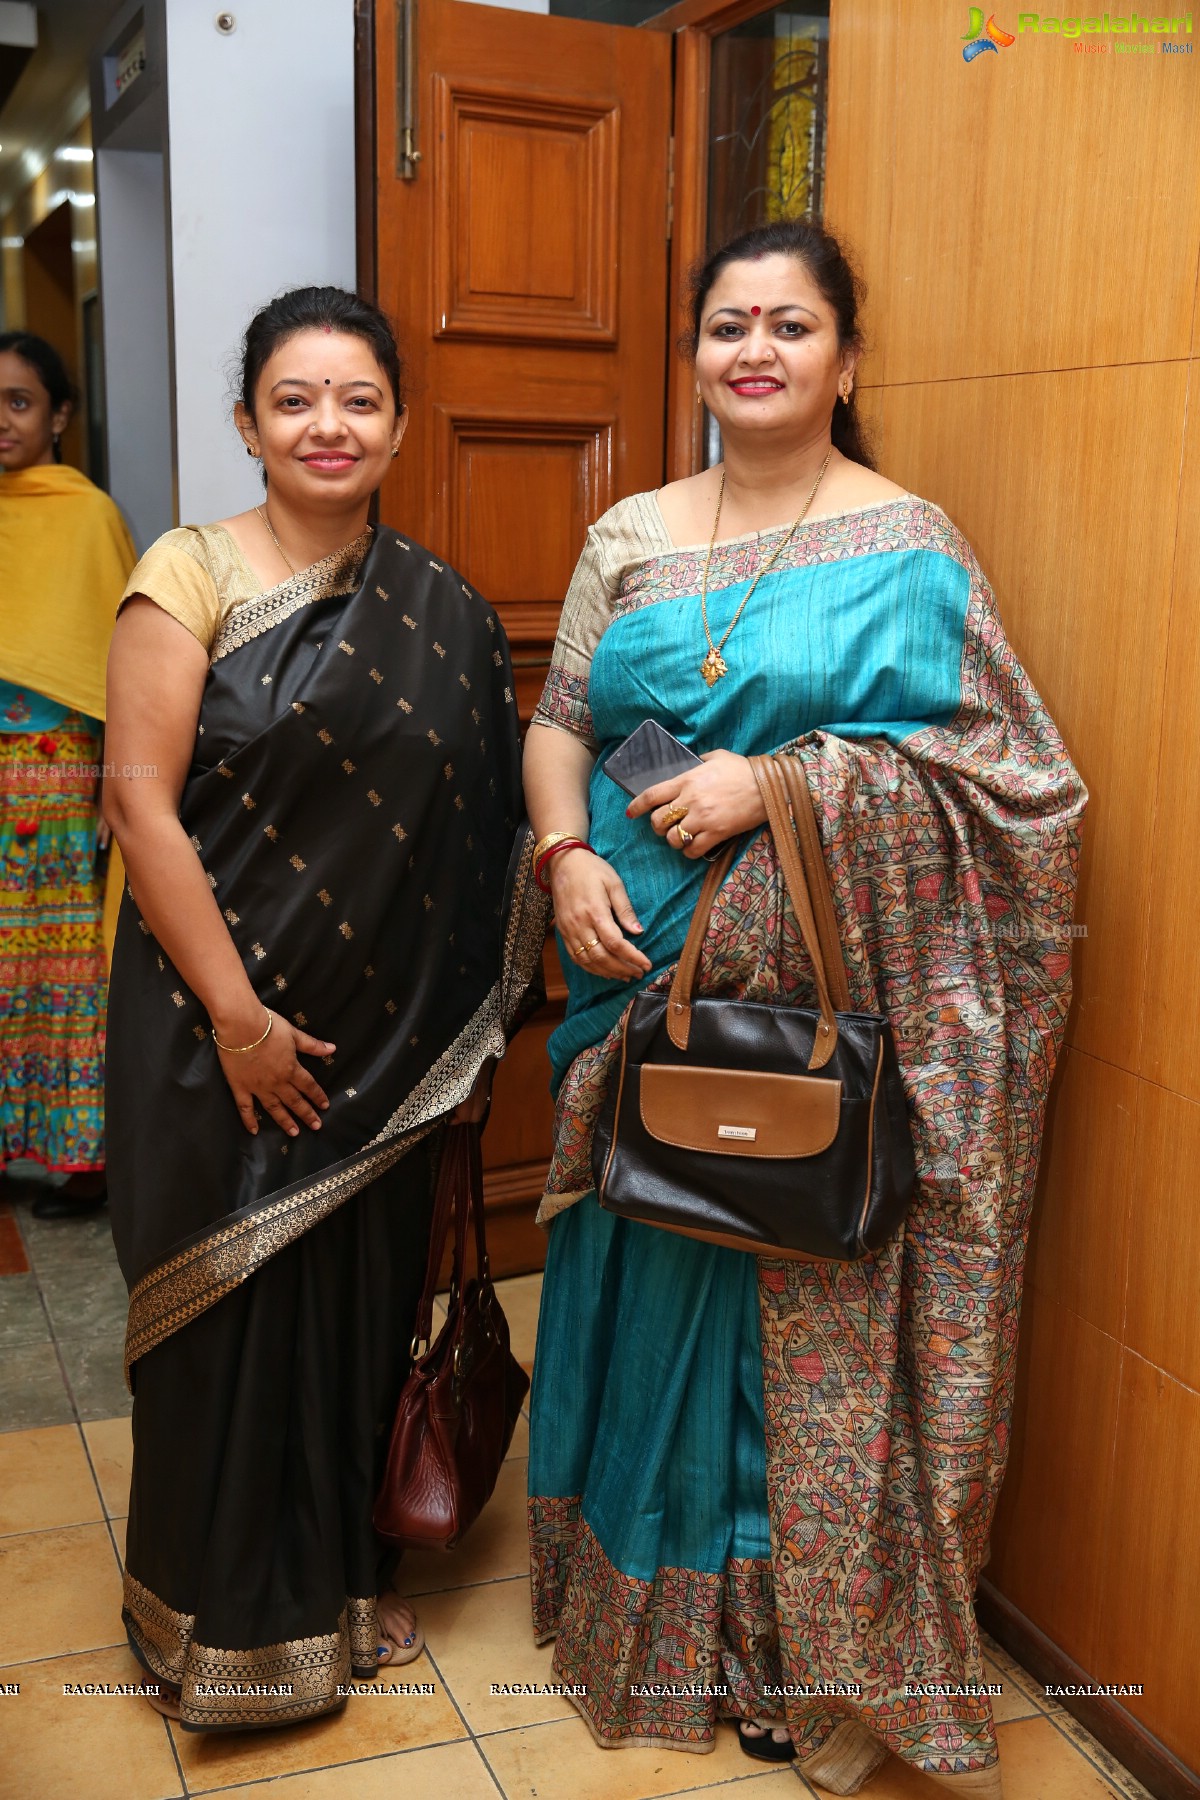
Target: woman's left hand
(721, 800)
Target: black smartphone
(647, 756)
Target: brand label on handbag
(745, 1133)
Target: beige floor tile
(52, 1739)
(1118, 1778)
(753, 1787)
(519, 1448)
(45, 1480)
(450, 1772)
(1016, 1701)
(496, 1546)
(110, 1445)
(60, 1591)
(119, 1527)
(520, 1296)
(1039, 1763)
(483, 1636)
(563, 1759)
(372, 1724)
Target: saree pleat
(949, 814)
(259, 1439)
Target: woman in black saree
(320, 794)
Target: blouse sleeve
(619, 540)
(175, 575)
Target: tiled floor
(64, 1478)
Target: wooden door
(525, 263)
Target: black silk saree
(354, 800)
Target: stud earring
(845, 393)
(251, 451)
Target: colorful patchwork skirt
(53, 971)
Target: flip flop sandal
(399, 1654)
(766, 1748)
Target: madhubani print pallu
(950, 817)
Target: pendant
(713, 667)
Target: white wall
(137, 357)
(261, 170)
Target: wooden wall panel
(1162, 1317)
(861, 142)
(1045, 208)
(1171, 1053)
(1147, 1629)
(1079, 1242)
(1047, 1548)
(1024, 465)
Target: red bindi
(327, 329)
(754, 311)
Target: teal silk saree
(762, 1488)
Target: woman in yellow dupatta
(65, 556)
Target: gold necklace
(714, 664)
(262, 513)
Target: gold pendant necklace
(714, 664)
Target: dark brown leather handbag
(782, 1130)
(459, 1407)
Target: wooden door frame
(695, 23)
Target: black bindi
(327, 383)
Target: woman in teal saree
(762, 1489)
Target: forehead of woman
(16, 375)
(768, 283)
(318, 357)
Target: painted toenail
(382, 1650)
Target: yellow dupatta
(65, 557)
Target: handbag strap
(777, 790)
(817, 876)
(452, 1203)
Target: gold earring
(251, 451)
(395, 452)
(845, 393)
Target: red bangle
(566, 844)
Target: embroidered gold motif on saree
(162, 1634)
(249, 802)
(298, 863)
(348, 648)
(271, 832)
(326, 737)
(399, 833)
(362, 1622)
(376, 677)
(346, 929)
(404, 706)
(438, 648)
(178, 998)
(350, 767)
(258, 951)
(324, 896)
(374, 798)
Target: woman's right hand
(590, 909)
(273, 1076)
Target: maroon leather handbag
(459, 1407)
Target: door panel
(526, 268)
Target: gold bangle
(241, 1049)
(548, 842)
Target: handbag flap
(739, 1113)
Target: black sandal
(766, 1748)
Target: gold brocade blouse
(197, 574)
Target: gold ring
(685, 837)
(586, 949)
(673, 815)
